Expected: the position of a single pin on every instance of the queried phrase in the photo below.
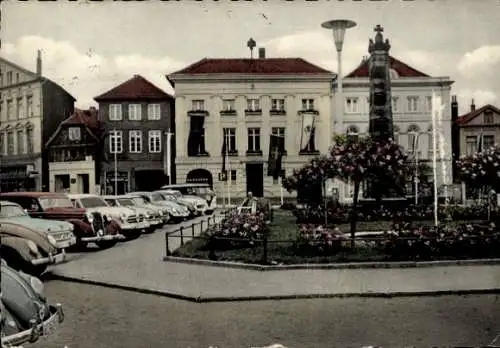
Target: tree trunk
(354, 212)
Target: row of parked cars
(38, 227)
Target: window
(397, 131)
(351, 105)
(10, 113)
(10, 143)
(19, 108)
(115, 112)
(134, 112)
(154, 141)
(352, 133)
(278, 105)
(2, 143)
(9, 77)
(253, 104)
(228, 104)
(470, 145)
(428, 103)
(17, 77)
(74, 133)
(253, 139)
(488, 141)
(154, 112)
(232, 175)
(30, 140)
(279, 133)
(230, 136)
(115, 142)
(307, 104)
(2, 117)
(29, 106)
(488, 118)
(1, 79)
(412, 104)
(395, 102)
(135, 141)
(413, 130)
(20, 142)
(198, 105)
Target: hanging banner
(307, 129)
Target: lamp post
(415, 154)
(338, 27)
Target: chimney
(454, 108)
(472, 106)
(262, 53)
(39, 63)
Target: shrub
(317, 239)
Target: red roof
(466, 118)
(135, 88)
(401, 68)
(89, 118)
(253, 66)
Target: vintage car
(26, 315)
(202, 190)
(199, 205)
(62, 231)
(177, 212)
(131, 224)
(142, 202)
(87, 226)
(27, 249)
(153, 216)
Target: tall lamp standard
(338, 27)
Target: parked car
(87, 226)
(142, 202)
(202, 190)
(199, 205)
(62, 231)
(26, 314)
(131, 224)
(153, 217)
(177, 212)
(191, 208)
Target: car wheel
(131, 234)
(17, 262)
(150, 230)
(106, 244)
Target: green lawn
(283, 233)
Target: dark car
(88, 226)
(26, 314)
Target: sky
(88, 47)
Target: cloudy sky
(90, 47)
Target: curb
(208, 299)
(335, 266)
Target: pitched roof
(401, 68)
(135, 88)
(466, 118)
(270, 66)
(88, 118)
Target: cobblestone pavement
(101, 317)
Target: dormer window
(74, 134)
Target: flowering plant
(481, 169)
(239, 229)
(319, 238)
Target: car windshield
(169, 197)
(92, 202)
(9, 211)
(156, 196)
(175, 194)
(55, 202)
(139, 200)
(126, 202)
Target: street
(103, 317)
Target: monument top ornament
(379, 44)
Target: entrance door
(255, 179)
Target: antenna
(251, 44)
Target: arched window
(412, 131)
(352, 133)
(29, 138)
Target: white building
(411, 107)
(249, 100)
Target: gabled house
(75, 153)
(137, 117)
(31, 109)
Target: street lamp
(338, 27)
(415, 151)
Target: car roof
(32, 194)
(113, 196)
(81, 195)
(8, 203)
(173, 186)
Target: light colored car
(199, 204)
(27, 249)
(202, 190)
(142, 202)
(26, 314)
(177, 212)
(62, 231)
(153, 217)
(131, 224)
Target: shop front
(118, 182)
(18, 178)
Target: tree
(481, 170)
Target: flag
(274, 163)
(480, 143)
(307, 130)
(224, 151)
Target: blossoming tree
(481, 170)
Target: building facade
(248, 101)
(412, 115)
(137, 117)
(31, 109)
(75, 154)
